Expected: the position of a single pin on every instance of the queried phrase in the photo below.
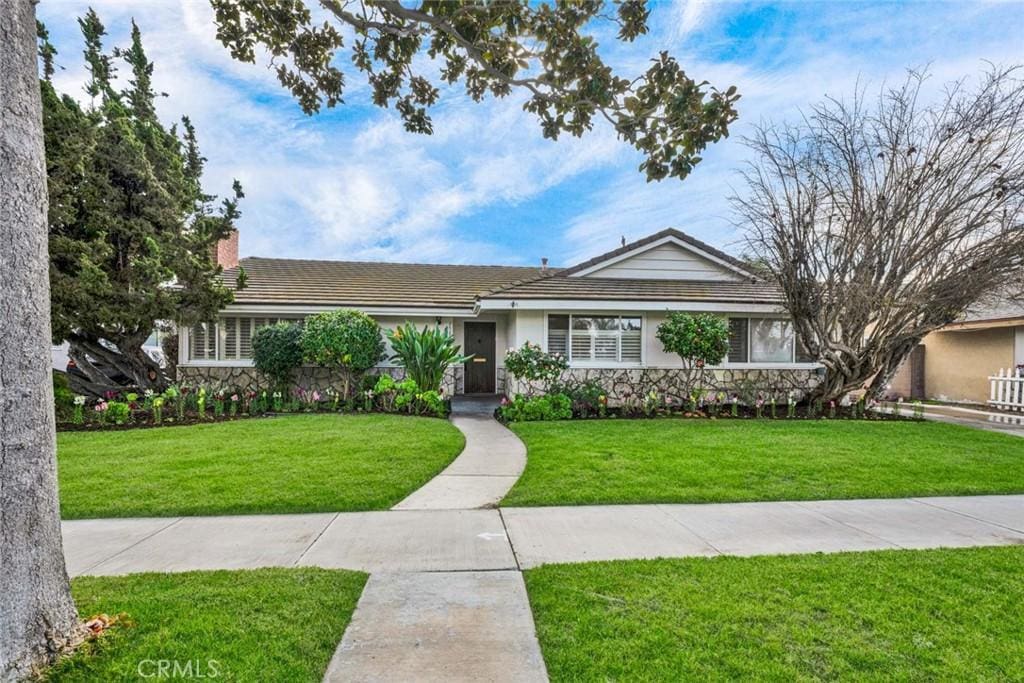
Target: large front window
(230, 338)
(764, 340)
(595, 339)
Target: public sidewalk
(513, 538)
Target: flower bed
(188, 405)
(588, 402)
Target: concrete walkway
(445, 600)
(462, 626)
(512, 538)
(483, 473)
(1004, 422)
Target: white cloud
(353, 184)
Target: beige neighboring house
(603, 314)
(954, 363)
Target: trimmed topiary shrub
(277, 351)
(699, 339)
(345, 340)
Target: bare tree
(37, 615)
(883, 218)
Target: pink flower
(316, 395)
(234, 397)
(100, 407)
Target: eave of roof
(612, 289)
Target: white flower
(149, 393)
(79, 400)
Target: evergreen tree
(131, 229)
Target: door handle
(479, 360)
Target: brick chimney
(225, 252)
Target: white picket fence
(1008, 389)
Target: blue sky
(350, 183)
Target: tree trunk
(37, 614)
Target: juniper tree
(131, 228)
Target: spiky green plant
(425, 354)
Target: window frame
(220, 338)
(792, 362)
(642, 317)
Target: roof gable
(666, 255)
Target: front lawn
(294, 463)
(698, 461)
(262, 625)
(887, 615)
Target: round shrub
(530, 363)
(345, 340)
(277, 351)
(698, 338)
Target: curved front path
(483, 473)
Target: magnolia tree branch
(883, 219)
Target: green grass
(888, 615)
(680, 461)
(262, 625)
(296, 463)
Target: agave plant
(425, 354)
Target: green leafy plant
(652, 403)
(63, 397)
(78, 416)
(535, 408)
(277, 351)
(587, 398)
(918, 410)
(699, 339)
(407, 397)
(532, 365)
(345, 340)
(425, 353)
(117, 412)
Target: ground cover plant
(286, 464)
(267, 624)
(886, 615)
(585, 462)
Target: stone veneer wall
(308, 378)
(625, 383)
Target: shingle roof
(367, 283)
(995, 310)
(420, 285)
(559, 286)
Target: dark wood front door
(479, 341)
